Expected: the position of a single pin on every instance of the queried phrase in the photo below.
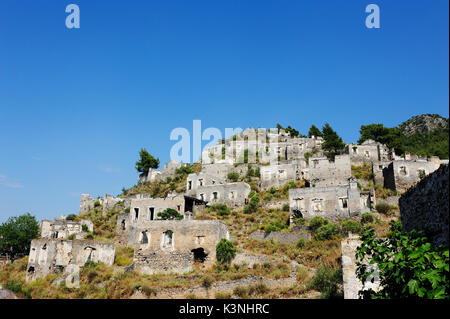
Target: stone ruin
(61, 228)
(56, 255)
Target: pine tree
(332, 144)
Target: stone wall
(174, 245)
(351, 284)
(53, 255)
(407, 173)
(328, 202)
(62, 228)
(231, 194)
(425, 207)
(281, 237)
(321, 172)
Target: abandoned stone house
(175, 245)
(60, 228)
(333, 202)
(369, 151)
(322, 172)
(88, 203)
(215, 189)
(399, 175)
(53, 255)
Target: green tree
(314, 131)
(146, 161)
(16, 235)
(332, 143)
(170, 214)
(225, 251)
(409, 267)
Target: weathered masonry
(175, 246)
(62, 228)
(53, 255)
(425, 207)
(330, 202)
(146, 209)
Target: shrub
(274, 226)
(233, 176)
(383, 208)
(90, 235)
(272, 190)
(170, 214)
(328, 282)
(252, 206)
(124, 256)
(184, 170)
(223, 295)
(71, 237)
(367, 218)
(225, 251)
(351, 226)
(220, 209)
(299, 221)
(286, 207)
(300, 243)
(71, 217)
(240, 292)
(207, 281)
(326, 232)
(97, 203)
(84, 228)
(409, 267)
(317, 222)
(267, 197)
(148, 290)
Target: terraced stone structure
(174, 246)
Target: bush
(267, 197)
(84, 228)
(351, 226)
(328, 282)
(367, 218)
(184, 170)
(97, 203)
(225, 251)
(272, 190)
(326, 232)
(252, 206)
(71, 237)
(240, 292)
(274, 226)
(71, 217)
(90, 235)
(317, 222)
(124, 256)
(233, 176)
(170, 214)
(286, 207)
(220, 209)
(207, 281)
(409, 267)
(300, 243)
(383, 208)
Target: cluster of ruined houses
(178, 245)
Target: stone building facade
(330, 202)
(369, 151)
(425, 207)
(60, 228)
(54, 255)
(321, 172)
(164, 246)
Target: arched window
(167, 240)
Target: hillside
(426, 134)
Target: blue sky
(76, 105)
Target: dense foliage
(332, 144)
(314, 131)
(423, 143)
(16, 235)
(225, 251)
(409, 267)
(170, 214)
(146, 161)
